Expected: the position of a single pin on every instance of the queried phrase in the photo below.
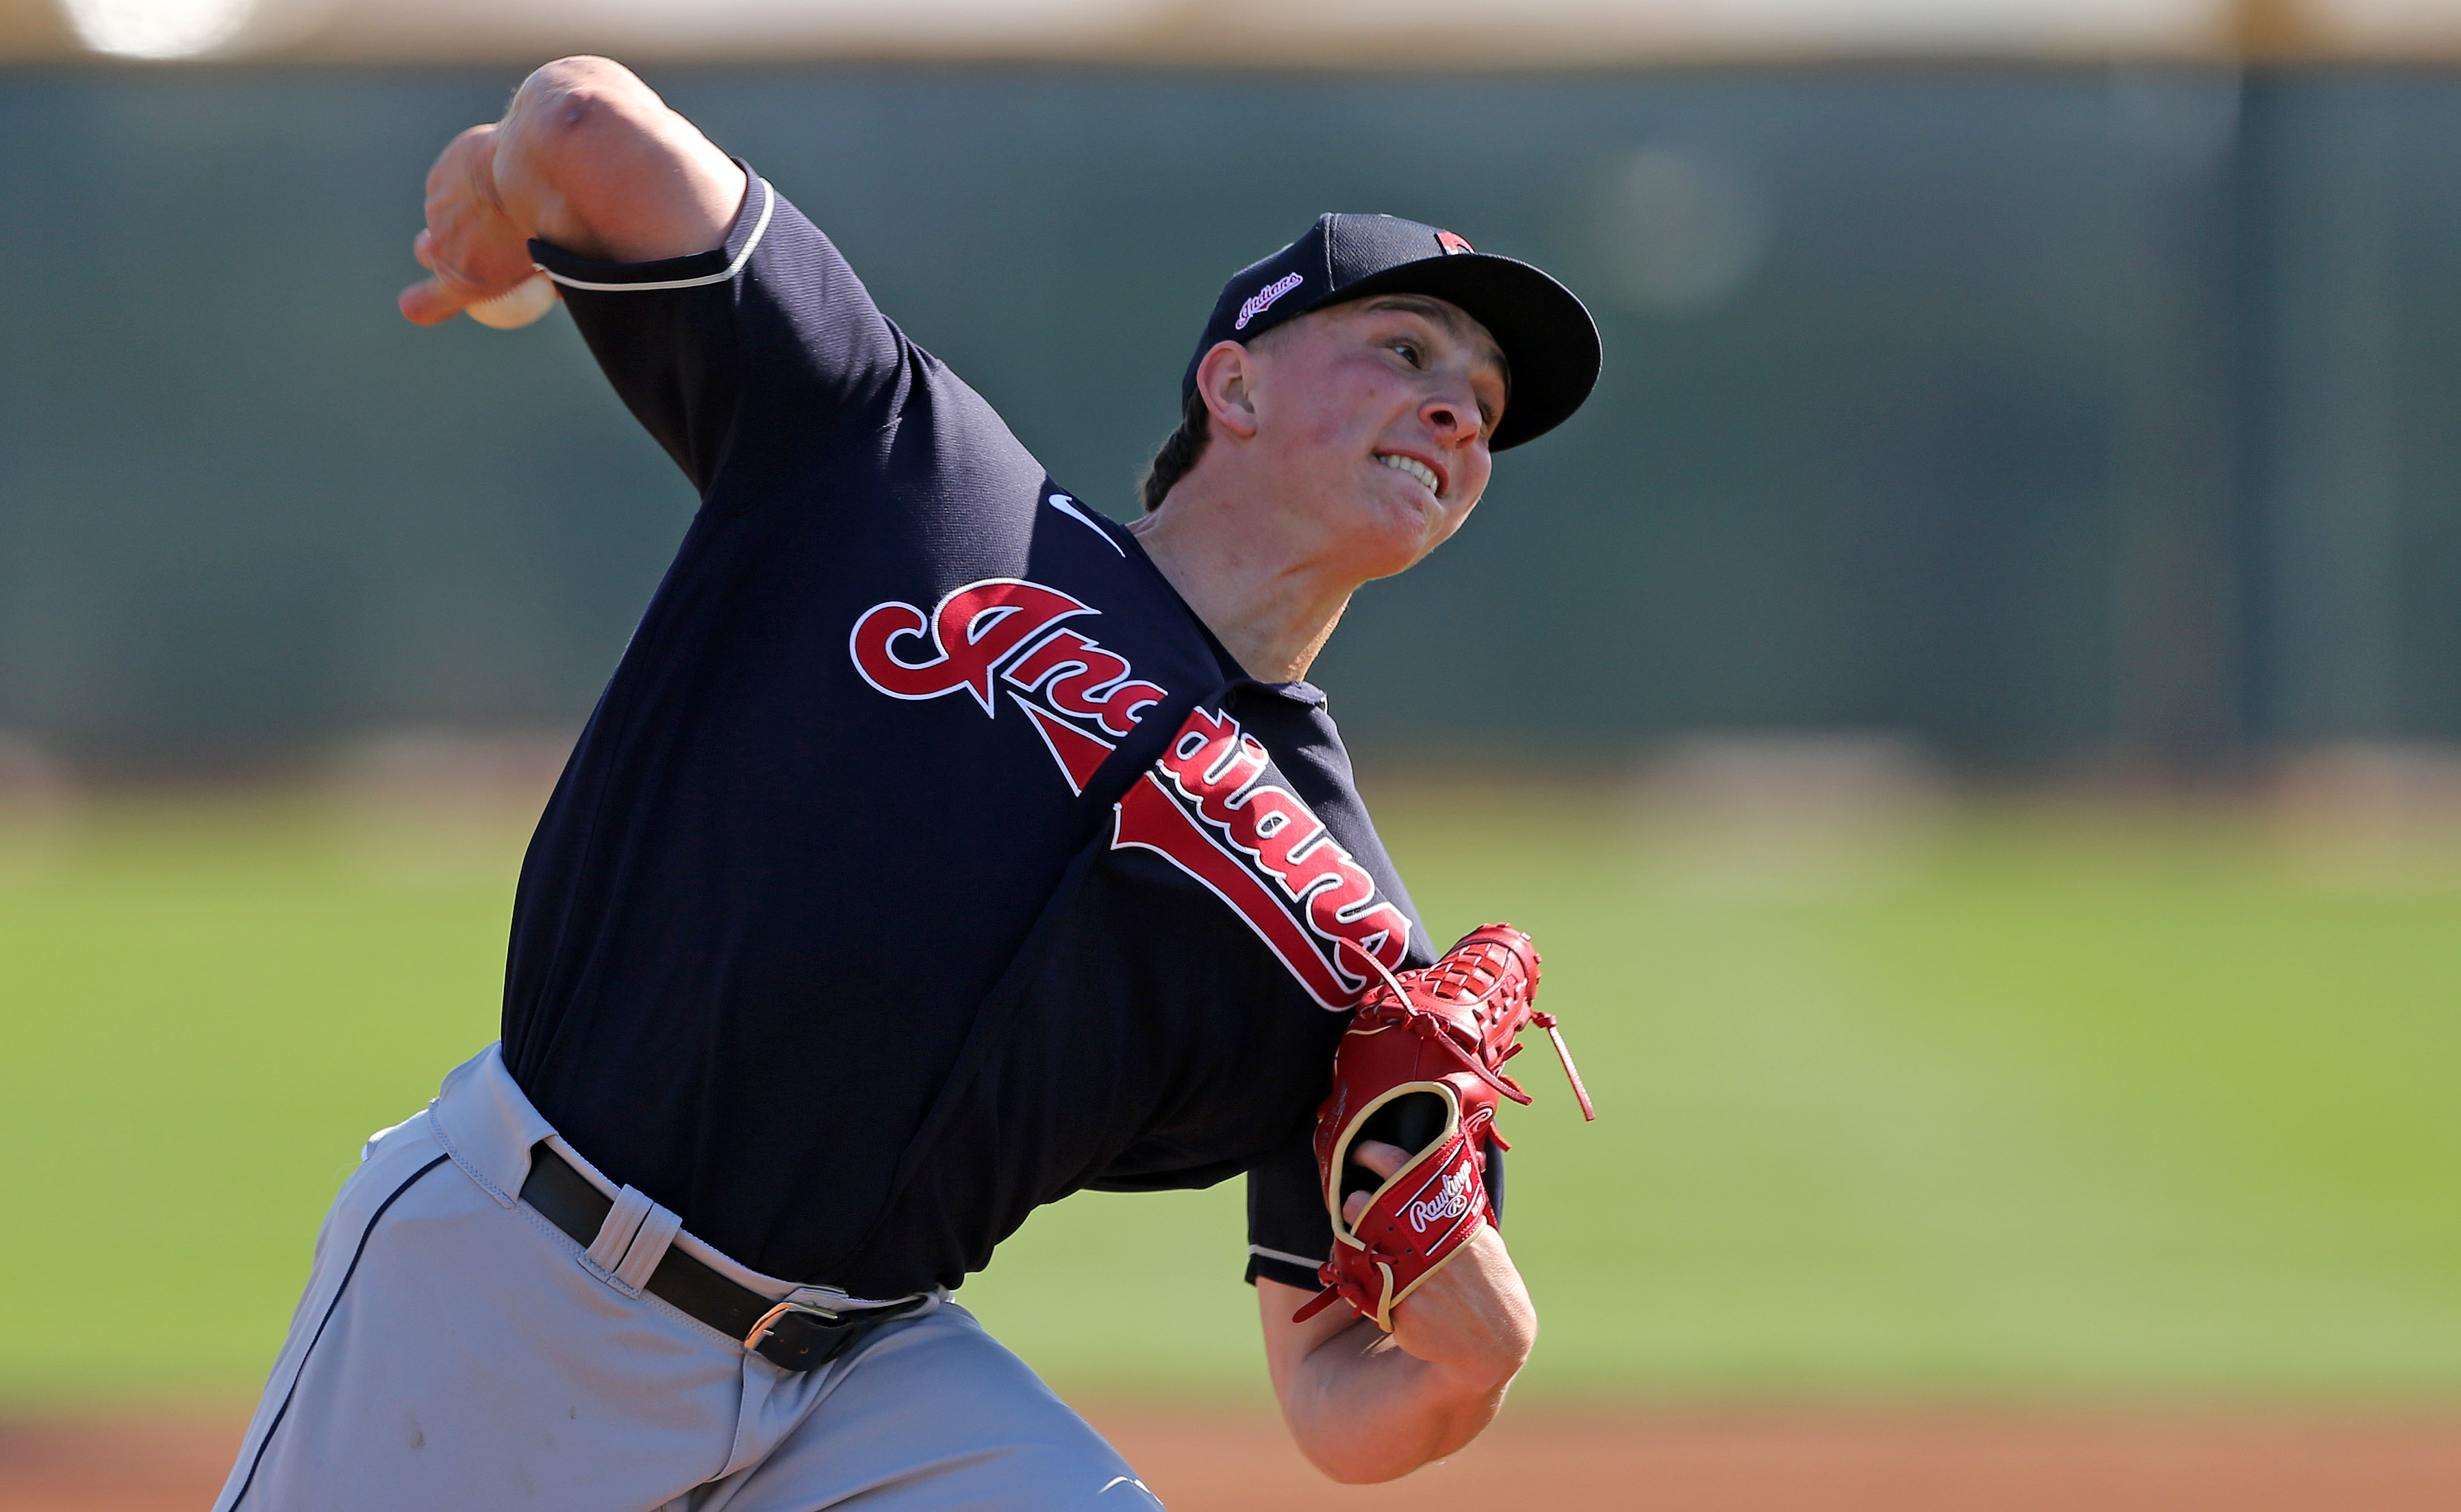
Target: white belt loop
(615, 1230)
(605, 1257)
(658, 1227)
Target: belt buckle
(769, 1320)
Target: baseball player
(939, 848)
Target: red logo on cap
(1453, 243)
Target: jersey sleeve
(720, 352)
(1289, 1233)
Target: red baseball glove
(1420, 1067)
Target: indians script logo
(1265, 297)
(1448, 1203)
(1206, 808)
(1008, 631)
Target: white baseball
(516, 307)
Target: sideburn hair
(1179, 453)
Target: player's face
(1378, 414)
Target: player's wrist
(1473, 1318)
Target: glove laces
(1461, 976)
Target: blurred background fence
(2051, 416)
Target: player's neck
(1269, 603)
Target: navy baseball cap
(1550, 342)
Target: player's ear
(1226, 379)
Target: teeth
(1412, 466)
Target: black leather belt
(788, 1334)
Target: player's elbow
(1360, 1463)
(1366, 1458)
(1342, 1473)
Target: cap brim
(1549, 339)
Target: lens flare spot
(158, 29)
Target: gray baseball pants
(457, 1351)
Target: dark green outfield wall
(2040, 414)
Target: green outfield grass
(2059, 1103)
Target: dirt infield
(1212, 1461)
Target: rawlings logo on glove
(1452, 1204)
(1420, 1067)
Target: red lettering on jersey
(1149, 818)
(1349, 910)
(1278, 829)
(998, 622)
(1209, 759)
(1269, 831)
(1080, 754)
(974, 630)
(1061, 652)
(1087, 680)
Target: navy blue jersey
(926, 859)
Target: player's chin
(1401, 525)
(1433, 526)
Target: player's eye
(1410, 351)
